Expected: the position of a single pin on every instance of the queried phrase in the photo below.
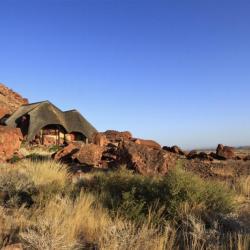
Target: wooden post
(58, 136)
(42, 140)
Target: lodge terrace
(44, 123)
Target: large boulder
(148, 143)
(116, 136)
(10, 142)
(174, 149)
(86, 154)
(200, 156)
(145, 160)
(192, 154)
(225, 152)
(89, 154)
(246, 158)
(65, 154)
(99, 139)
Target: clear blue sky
(177, 71)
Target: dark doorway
(23, 123)
(77, 136)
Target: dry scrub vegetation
(42, 208)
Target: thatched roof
(45, 113)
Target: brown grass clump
(45, 172)
(242, 186)
(64, 224)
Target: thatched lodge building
(44, 123)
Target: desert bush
(11, 224)
(83, 224)
(242, 186)
(16, 189)
(32, 182)
(51, 179)
(45, 172)
(134, 195)
(37, 157)
(14, 159)
(54, 148)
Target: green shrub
(36, 157)
(14, 159)
(134, 196)
(54, 148)
(33, 183)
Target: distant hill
(10, 101)
(244, 147)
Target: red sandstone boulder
(145, 160)
(174, 149)
(204, 157)
(192, 154)
(246, 158)
(148, 143)
(199, 156)
(10, 142)
(99, 139)
(66, 153)
(115, 136)
(86, 154)
(225, 152)
(89, 154)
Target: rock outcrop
(225, 152)
(10, 142)
(145, 160)
(10, 101)
(116, 136)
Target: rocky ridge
(10, 101)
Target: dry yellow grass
(10, 223)
(44, 172)
(63, 223)
(225, 171)
(243, 186)
(26, 151)
(67, 225)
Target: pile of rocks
(113, 149)
(222, 153)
